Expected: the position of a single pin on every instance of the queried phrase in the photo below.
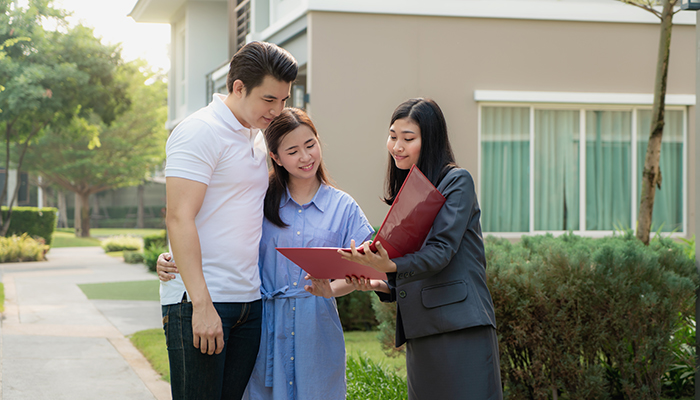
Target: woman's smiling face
(404, 142)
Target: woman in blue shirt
(302, 349)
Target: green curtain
(668, 201)
(505, 169)
(556, 170)
(608, 170)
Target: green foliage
(368, 380)
(355, 311)
(589, 318)
(386, 315)
(150, 255)
(121, 243)
(68, 239)
(2, 297)
(157, 239)
(689, 247)
(133, 257)
(33, 221)
(21, 248)
(679, 380)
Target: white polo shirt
(212, 147)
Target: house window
(570, 168)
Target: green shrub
(588, 318)
(158, 239)
(21, 248)
(33, 221)
(355, 311)
(121, 243)
(386, 316)
(132, 257)
(150, 255)
(367, 380)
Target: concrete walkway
(57, 344)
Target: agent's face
(299, 153)
(263, 103)
(404, 143)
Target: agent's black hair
(435, 158)
(254, 61)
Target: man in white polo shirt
(216, 179)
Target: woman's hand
(319, 287)
(379, 260)
(366, 284)
(165, 267)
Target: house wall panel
(361, 66)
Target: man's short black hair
(256, 60)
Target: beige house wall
(361, 66)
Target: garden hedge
(33, 221)
(587, 318)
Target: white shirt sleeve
(192, 151)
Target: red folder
(403, 231)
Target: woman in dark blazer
(445, 313)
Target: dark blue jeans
(194, 375)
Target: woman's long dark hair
(435, 158)
(288, 120)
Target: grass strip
(151, 343)
(132, 290)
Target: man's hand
(165, 267)
(206, 329)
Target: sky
(111, 23)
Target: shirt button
(294, 308)
(291, 383)
(292, 333)
(402, 294)
(298, 232)
(292, 358)
(300, 210)
(294, 283)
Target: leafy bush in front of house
(150, 256)
(355, 310)
(132, 257)
(21, 248)
(33, 221)
(589, 318)
(157, 239)
(121, 243)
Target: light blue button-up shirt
(302, 350)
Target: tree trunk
(651, 174)
(139, 208)
(82, 215)
(62, 209)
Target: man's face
(264, 102)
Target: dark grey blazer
(442, 287)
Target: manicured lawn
(134, 290)
(65, 237)
(365, 344)
(68, 239)
(107, 232)
(151, 343)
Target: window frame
(584, 107)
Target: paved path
(57, 344)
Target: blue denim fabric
(194, 375)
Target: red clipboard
(403, 231)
